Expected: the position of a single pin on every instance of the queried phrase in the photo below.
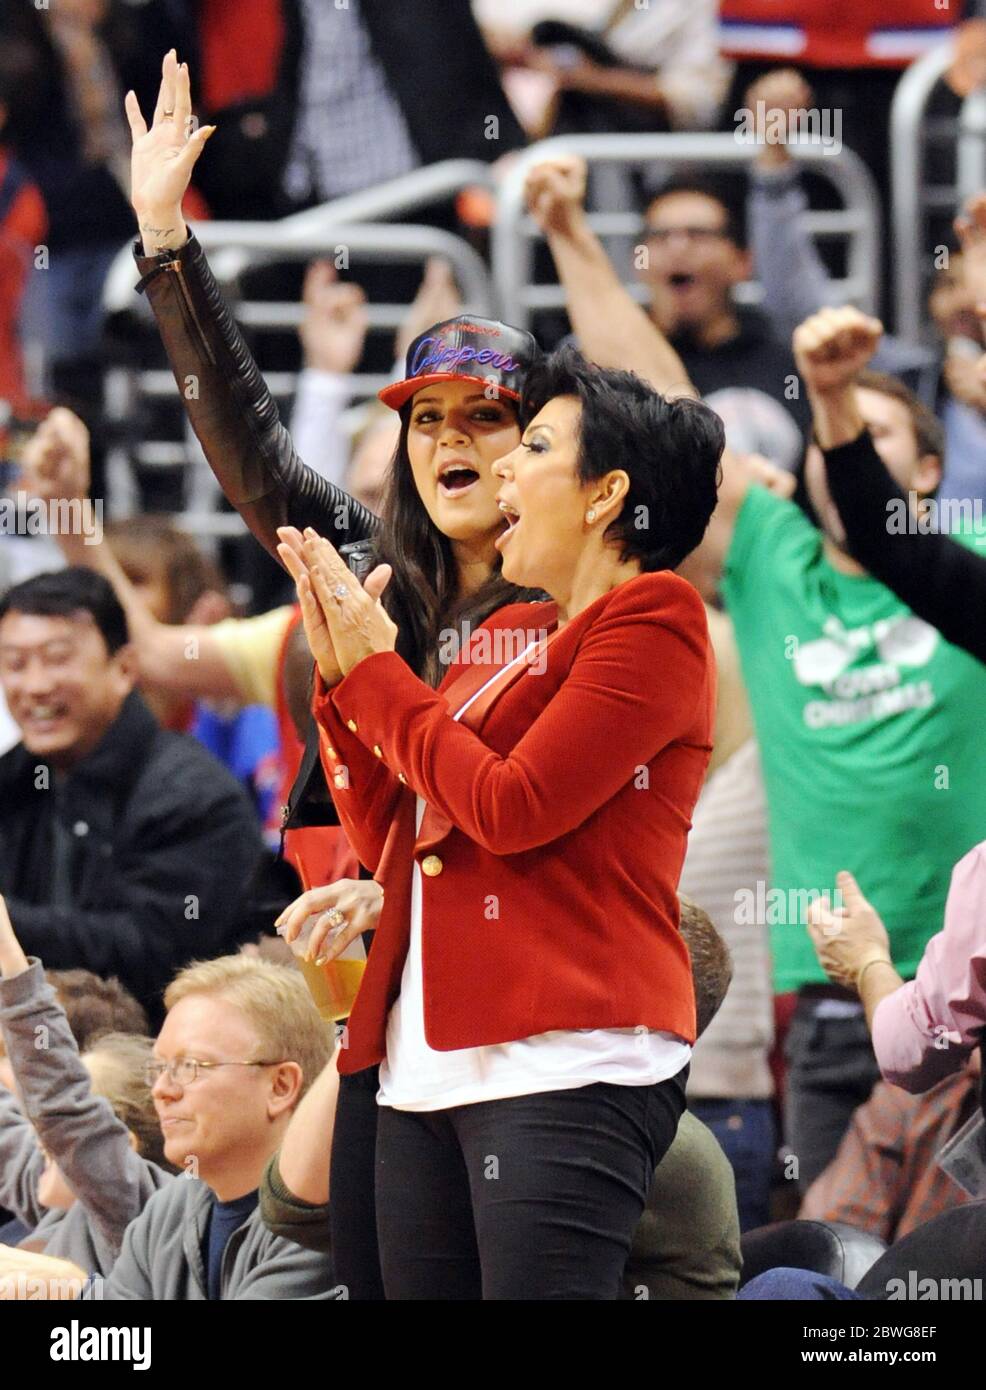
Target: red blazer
(554, 834)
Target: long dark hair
(423, 596)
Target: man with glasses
(240, 1045)
(693, 257)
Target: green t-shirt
(871, 733)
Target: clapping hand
(344, 620)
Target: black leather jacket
(151, 820)
(232, 411)
(248, 449)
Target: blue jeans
(747, 1136)
(797, 1286)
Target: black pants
(832, 1069)
(353, 1209)
(533, 1197)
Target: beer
(333, 986)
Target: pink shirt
(926, 1029)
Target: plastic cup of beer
(333, 985)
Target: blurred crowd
(834, 888)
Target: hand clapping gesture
(344, 620)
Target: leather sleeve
(940, 579)
(232, 411)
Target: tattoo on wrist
(157, 234)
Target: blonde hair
(276, 1001)
(117, 1063)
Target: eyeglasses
(184, 1071)
(664, 234)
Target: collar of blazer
(435, 826)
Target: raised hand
(437, 299)
(333, 330)
(163, 158)
(55, 460)
(833, 346)
(555, 193)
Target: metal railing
(515, 233)
(914, 194)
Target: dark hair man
(124, 849)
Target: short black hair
(720, 190)
(670, 450)
(63, 594)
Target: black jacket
(248, 449)
(939, 578)
(754, 358)
(164, 845)
(439, 68)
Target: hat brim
(401, 391)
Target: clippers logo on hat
(466, 349)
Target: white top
(416, 1077)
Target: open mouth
(681, 280)
(511, 518)
(456, 478)
(43, 718)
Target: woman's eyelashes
(485, 415)
(535, 446)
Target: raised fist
(55, 460)
(555, 192)
(833, 346)
(333, 330)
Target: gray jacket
(162, 1255)
(133, 1222)
(79, 1129)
